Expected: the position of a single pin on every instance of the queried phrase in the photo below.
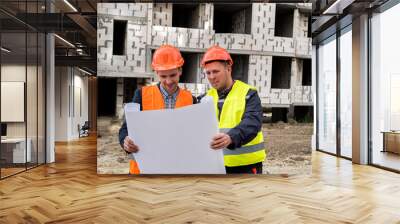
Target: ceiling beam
(86, 27)
(82, 61)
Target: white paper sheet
(175, 141)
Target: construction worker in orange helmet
(239, 112)
(167, 63)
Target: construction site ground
(288, 148)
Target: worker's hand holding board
(175, 141)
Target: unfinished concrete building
(269, 43)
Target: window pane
(385, 88)
(327, 97)
(14, 146)
(346, 94)
(31, 97)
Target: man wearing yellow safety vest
(167, 63)
(239, 113)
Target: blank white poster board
(175, 141)
(12, 101)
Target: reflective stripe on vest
(152, 99)
(231, 115)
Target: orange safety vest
(152, 99)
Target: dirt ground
(111, 159)
(288, 148)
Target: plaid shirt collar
(169, 99)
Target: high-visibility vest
(152, 99)
(231, 115)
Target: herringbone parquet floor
(70, 191)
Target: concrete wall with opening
(190, 69)
(106, 96)
(279, 114)
(304, 114)
(281, 72)
(186, 15)
(232, 18)
(119, 37)
(129, 87)
(282, 87)
(240, 67)
(284, 20)
(306, 75)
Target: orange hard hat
(216, 53)
(167, 57)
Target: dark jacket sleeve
(251, 122)
(195, 101)
(201, 97)
(123, 131)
